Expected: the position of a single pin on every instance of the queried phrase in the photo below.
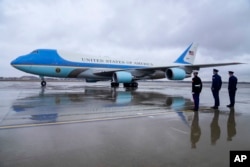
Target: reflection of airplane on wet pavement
(97, 101)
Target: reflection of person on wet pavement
(215, 128)
(231, 129)
(195, 130)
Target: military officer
(232, 87)
(196, 89)
(216, 86)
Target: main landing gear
(131, 85)
(125, 85)
(114, 84)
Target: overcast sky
(147, 29)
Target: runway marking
(80, 121)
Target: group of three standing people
(216, 86)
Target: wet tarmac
(83, 124)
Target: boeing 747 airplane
(52, 63)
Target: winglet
(188, 56)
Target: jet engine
(122, 77)
(175, 74)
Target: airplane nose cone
(13, 62)
(19, 60)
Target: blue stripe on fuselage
(44, 70)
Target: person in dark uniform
(196, 89)
(216, 86)
(232, 87)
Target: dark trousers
(232, 97)
(196, 97)
(216, 98)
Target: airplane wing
(214, 65)
(147, 70)
(193, 66)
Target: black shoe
(214, 107)
(230, 106)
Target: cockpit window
(34, 52)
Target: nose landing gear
(43, 82)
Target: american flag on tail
(191, 53)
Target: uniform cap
(215, 70)
(230, 72)
(195, 71)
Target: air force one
(52, 63)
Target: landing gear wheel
(43, 83)
(131, 85)
(135, 84)
(114, 84)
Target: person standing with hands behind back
(196, 89)
(232, 83)
(216, 85)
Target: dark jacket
(232, 83)
(216, 82)
(196, 84)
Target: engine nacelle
(122, 77)
(175, 74)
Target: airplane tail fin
(188, 56)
